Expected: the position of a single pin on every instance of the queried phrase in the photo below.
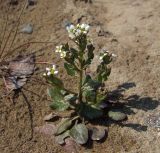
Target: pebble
(28, 29)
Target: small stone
(97, 133)
(116, 115)
(28, 29)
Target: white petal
(48, 73)
(44, 74)
(101, 57)
(48, 69)
(71, 27)
(54, 67)
(87, 27)
(55, 72)
(114, 55)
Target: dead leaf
(51, 117)
(47, 129)
(15, 82)
(22, 66)
(19, 70)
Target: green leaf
(58, 99)
(55, 81)
(103, 72)
(94, 84)
(89, 94)
(79, 133)
(66, 47)
(87, 78)
(63, 126)
(90, 111)
(70, 69)
(59, 106)
(74, 53)
(70, 97)
(100, 97)
(60, 139)
(90, 54)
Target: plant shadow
(116, 99)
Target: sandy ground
(127, 28)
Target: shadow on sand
(116, 99)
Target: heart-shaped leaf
(97, 133)
(60, 139)
(58, 99)
(79, 133)
(63, 126)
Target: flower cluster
(59, 49)
(78, 30)
(51, 71)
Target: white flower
(58, 49)
(47, 69)
(114, 55)
(56, 72)
(76, 31)
(51, 71)
(63, 54)
(48, 73)
(83, 26)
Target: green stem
(80, 75)
(80, 84)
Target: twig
(5, 29)
(9, 36)
(18, 23)
(30, 113)
(25, 44)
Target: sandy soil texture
(128, 28)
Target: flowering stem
(80, 74)
(80, 84)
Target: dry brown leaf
(19, 70)
(47, 129)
